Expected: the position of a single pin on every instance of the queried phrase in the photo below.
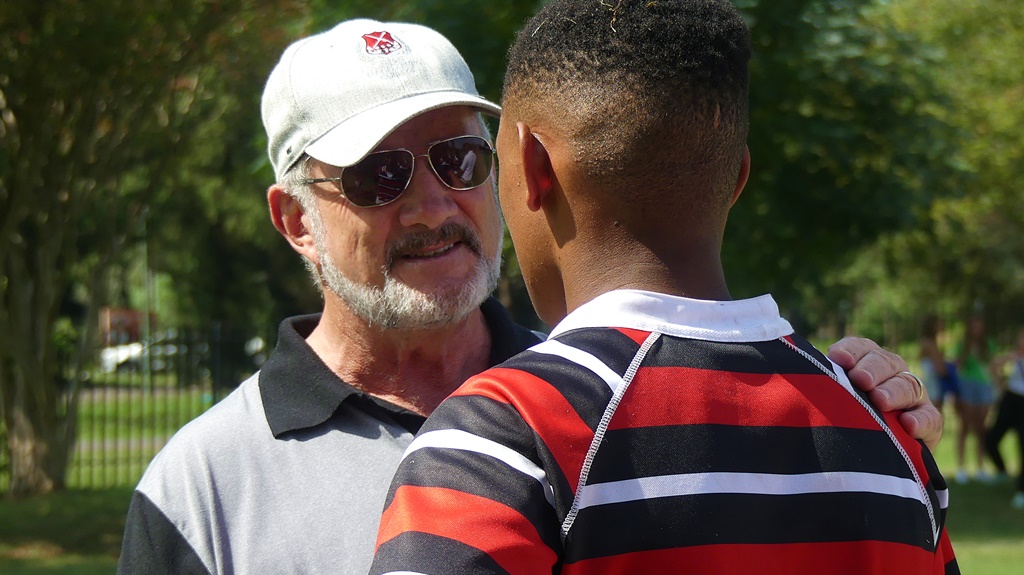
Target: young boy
(662, 428)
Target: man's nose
(428, 201)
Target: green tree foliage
(845, 144)
(99, 100)
(208, 223)
(966, 249)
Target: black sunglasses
(461, 163)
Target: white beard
(399, 306)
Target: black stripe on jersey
(814, 352)
(935, 479)
(806, 346)
(952, 568)
(612, 346)
(503, 425)
(936, 482)
(765, 357)
(500, 420)
(932, 468)
(425, 553)
(672, 522)
(582, 388)
(484, 476)
(585, 391)
(671, 450)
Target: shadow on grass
(76, 531)
(982, 513)
(987, 534)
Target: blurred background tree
(103, 107)
(846, 143)
(885, 138)
(964, 250)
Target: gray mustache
(451, 232)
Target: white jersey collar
(755, 319)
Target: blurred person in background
(938, 374)
(976, 397)
(1009, 371)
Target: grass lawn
(987, 535)
(127, 412)
(78, 532)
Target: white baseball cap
(336, 95)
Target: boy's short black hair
(649, 89)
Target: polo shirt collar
(297, 387)
(299, 391)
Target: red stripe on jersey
(853, 558)
(496, 529)
(687, 396)
(636, 335)
(544, 409)
(945, 550)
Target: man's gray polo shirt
(287, 474)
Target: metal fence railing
(136, 395)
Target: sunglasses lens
(462, 163)
(378, 178)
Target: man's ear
(290, 220)
(741, 179)
(537, 170)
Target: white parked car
(113, 357)
(166, 350)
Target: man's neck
(415, 369)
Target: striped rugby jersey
(692, 437)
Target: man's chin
(442, 307)
(399, 306)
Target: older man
(385, 188)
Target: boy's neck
(687, 272)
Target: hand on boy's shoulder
(877, 372)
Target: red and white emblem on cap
(381, 43)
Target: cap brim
(351, 140)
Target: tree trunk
(36, 441)
(30, 380)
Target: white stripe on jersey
(464, 441)
(749, 483)
(582, 358)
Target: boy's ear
(741, 180)
(290, 220)
(537, 171)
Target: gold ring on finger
(920, 385)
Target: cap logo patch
(381, 43)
